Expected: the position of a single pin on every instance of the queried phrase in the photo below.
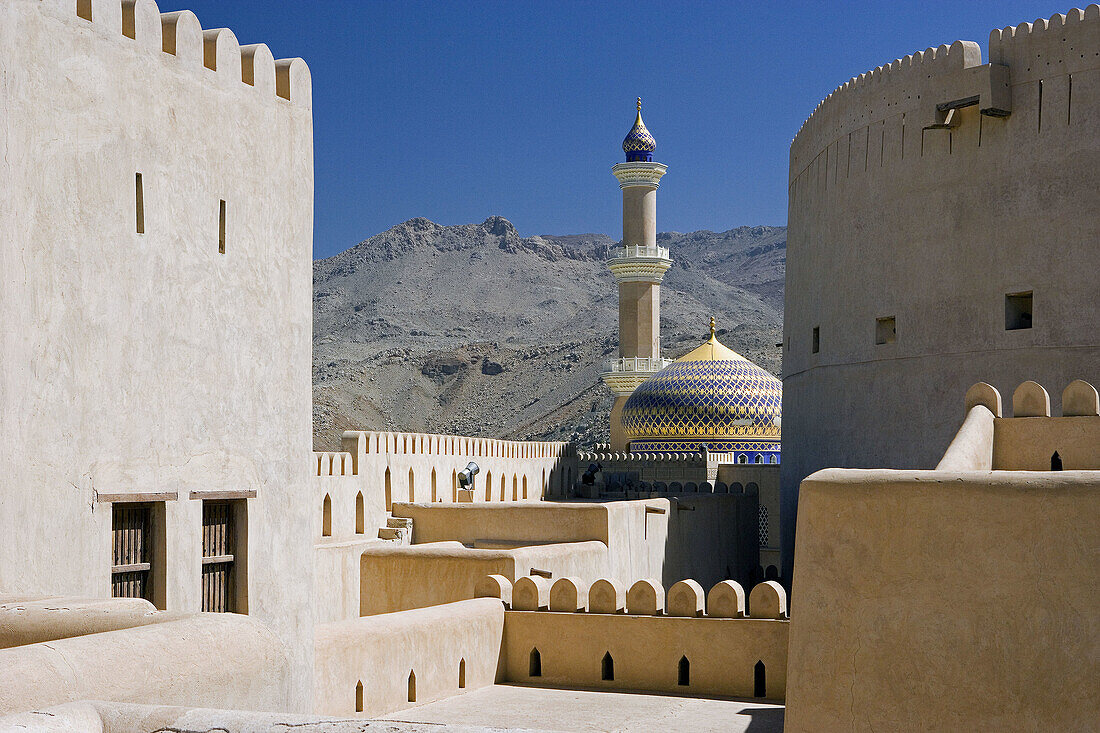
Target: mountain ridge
(473, 329)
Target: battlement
(923, 88)
(179, 35)
(686, 598)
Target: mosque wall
(941, 231)
(155, 305)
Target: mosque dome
(711, 397)
(639, 144)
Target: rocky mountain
(475, 330)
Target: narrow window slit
(139, 194)
(221, 226)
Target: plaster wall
(151, 362)
(892, 216)
(211, 660)
(640, 216)
(29, 621)
(632, 531)
(639, 319)
(1027, 443)
(886, 635)
(381, 651)
(396, 578)
(646, 650)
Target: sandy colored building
(940, 233)
(174, 557)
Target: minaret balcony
(623, 375)
(640, 263)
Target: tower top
(639, 144)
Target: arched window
(760, 680)
(515, 487)
(742, 458)
(1055, 462)
(775, 458)
(326, 517)
(502, 487)
(489, 486)
(412, 686)
(389, 490)
(412, 486)
(359, 512)
(758, 459)
(454, 486)
(359, 696)
(683, 674)
(434, 495)
(461, 673)
(525, 487)
(534, 667)
(762, 513)
(607, 668)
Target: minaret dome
(639, 144)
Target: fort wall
(941, 231)
(887, 635)
(155, 304)
(401, 659)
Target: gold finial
(639, 104)
(713, 326)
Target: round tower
(638, 268)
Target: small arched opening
(435, 496)
(360, 511)
(326, 517)
(683, 672)
(412, 686)
(534, 664)
(515, 487)
(489, 486)
(759, 680)
(758, 459)
(502, 487)
(454, 485)
(462, 673)
(412, 486)
(525, 487)
(607, 668)
(742, 458)
(359, 696)
(1055, 462)
(389, 490)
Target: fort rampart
(941, 230)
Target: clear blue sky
(459, 110)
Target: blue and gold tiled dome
(711, 397)
(639, 144)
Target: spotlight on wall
(466, 475)
(589, 476)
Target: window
(742, 458)
(326, 517)
(461, 674)
(139, 192)
(84, 9)
(1018, 311)
(607, 668)
(412, 686)
(221, 226)
(1055, 462)
(758, 459)
(223, 556)
(359, 696)
(760, 686)
(762, 514)
(817, 339)
(137, 553)
(886, 331)
(534, 666)
(359, 512)
(684, 672)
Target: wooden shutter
(217, 556)
(131, 547)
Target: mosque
(173, 556)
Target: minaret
(638, 267)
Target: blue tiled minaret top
(639, 144)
